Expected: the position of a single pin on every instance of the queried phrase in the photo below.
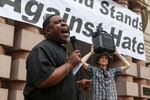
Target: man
(103, 77)
(49, 71)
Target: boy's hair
(104, 53)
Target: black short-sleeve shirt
(41, 62)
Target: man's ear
(46, 30)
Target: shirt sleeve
(116, 71)
(91, 69)
(39, 66)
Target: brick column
(137, 6)
(21, 28)
(7, 32)
(6, 41)
(26, 37)
(127, 89)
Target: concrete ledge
(5, 66)
(26, 40)
(15, 95)
(18, 70)
(126, 98)
(132, 70)
(143, 72)
(6, 34)
(3, 94)
(127, 89)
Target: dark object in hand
(103, 41)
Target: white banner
(83, 17)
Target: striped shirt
(104, 83)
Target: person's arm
(124, 60)
(86, 57)
(84, 83)
(60, 72)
